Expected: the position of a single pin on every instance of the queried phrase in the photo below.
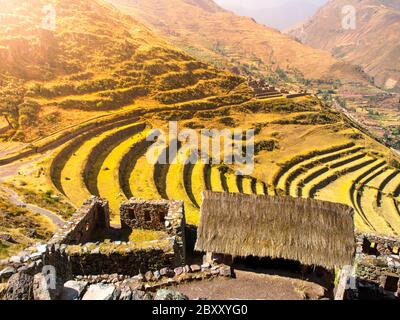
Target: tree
(12, 95)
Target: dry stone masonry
(377, 266)
(75, 249)
(89, 268)
(158, 215)
(93, 216)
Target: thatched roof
(306, 230)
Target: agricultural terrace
(302, 150)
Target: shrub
(266, 145)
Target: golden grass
(176, 190)
(388, 209)
(246, 183)
(260, 188)
(339, 192)
(216, 184)
(108, 182)
(141, 180)
(285, 176)
(197, 181)
(140, 235)
(369, 206)
(72, 174)
(231, 182)
(307, 187)
(16, 221)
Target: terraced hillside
(351, 175)
(110, 160)
(94, 62)
(301, 149)
(114, 165)
(88, 136)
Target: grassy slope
(216, 35)
(135, 57)
(108, 179)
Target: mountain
(92, 60)
(373, 44)
(276, 14)
(216, 35)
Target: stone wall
(148, 215)
(377, 266)
(93, 216)
(370, 244)
(127, 259)
(158, 215)
(32, 260)
(72, 250)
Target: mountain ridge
(236, 42)
(373, 44)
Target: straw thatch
(306, 230)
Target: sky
(280, 14)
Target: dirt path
(15, 199)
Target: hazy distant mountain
(280, 14)
(373, 44)
(216, 35)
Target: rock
(28, 268)
(148, 296)
(35, 256)
(225, 271)
(164, 294)
(73, 290)
(43, 290)
(149, 276)
(19, 287)
(156, 275)
(186, 269)
(205, 266)
(31, 233)
(138, 295)
(167, 272)
(3, 262)
(178, 271)
(126, 293)
(195, 268)
(95, 251)
(16, 259)
(41, 248)
(100, 292)
(3, 287)
(215, 270)
(7, 238)
(7, 272)
(163, 272)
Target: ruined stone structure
(377, 266)
(149, 215)
(76, 250)
(157, 215)
(93, 216)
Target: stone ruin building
(91, 263)
(89, 267)
(377, 268)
